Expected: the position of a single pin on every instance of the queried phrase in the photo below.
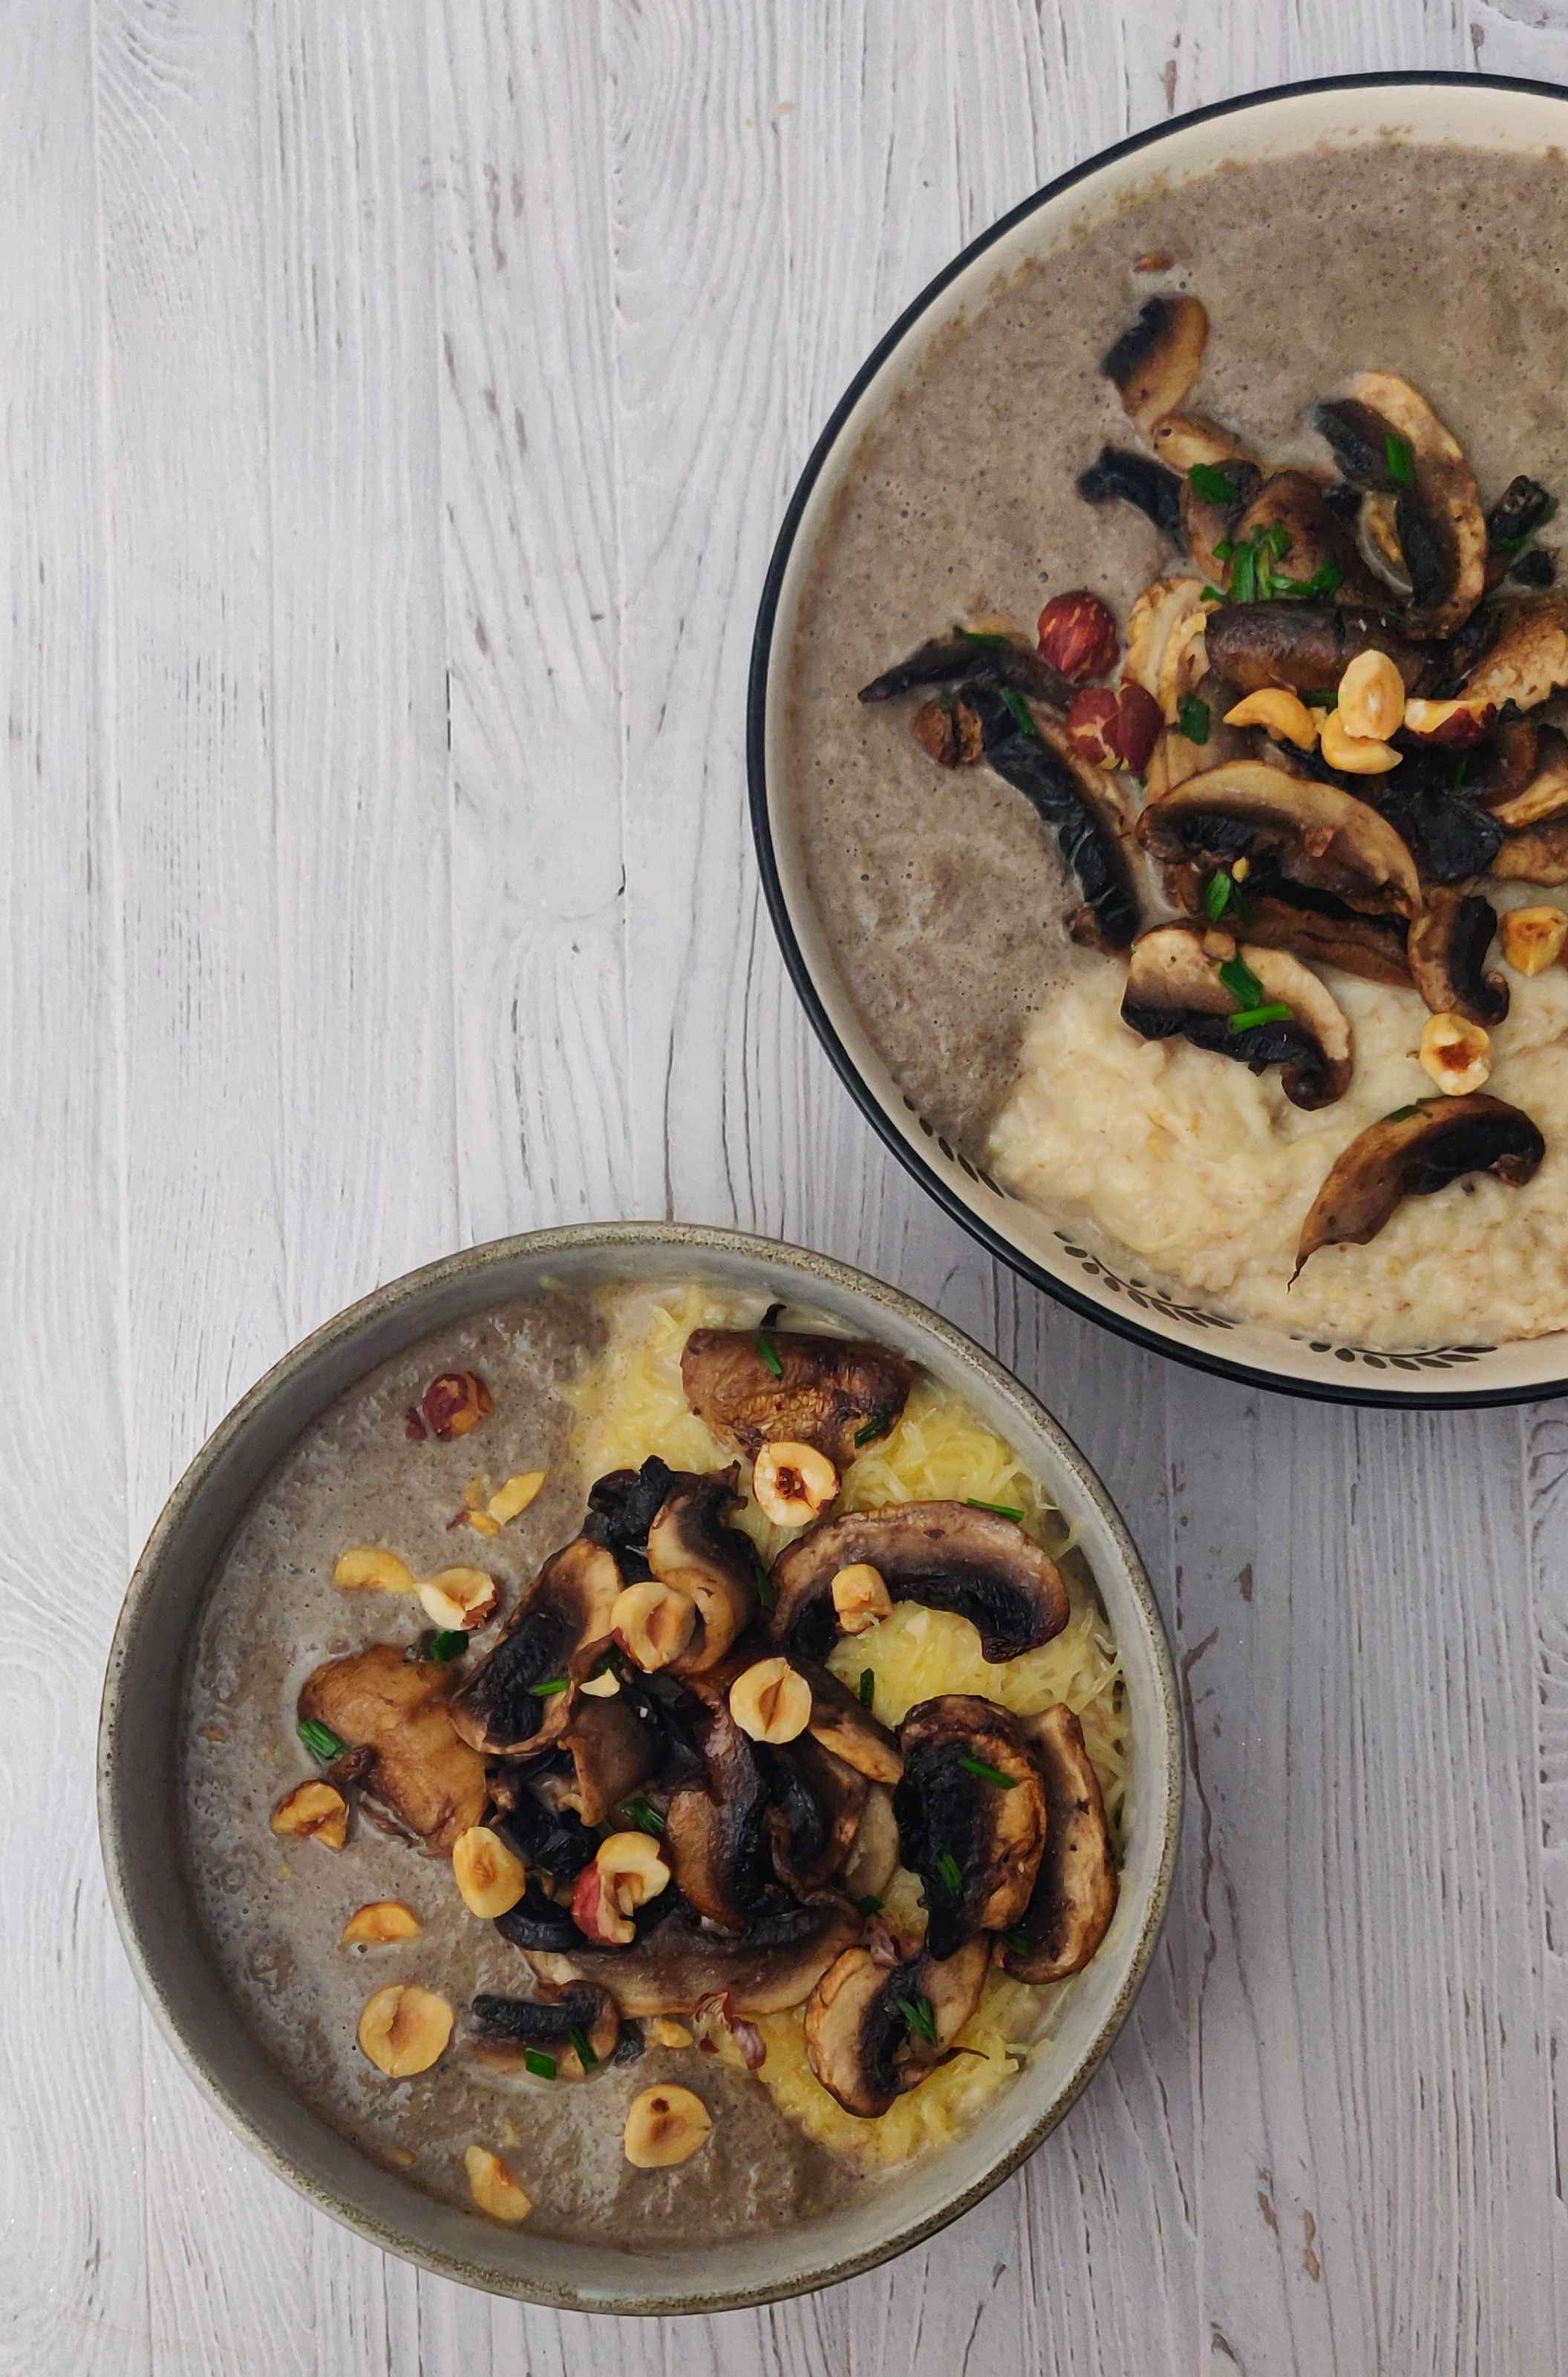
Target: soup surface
(942, 898)
(577, 1386)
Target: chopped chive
(983, 636)
(1023, 716)
(868, 1905)
(761, 1579)
(948, 1874)
(867, 1687)
(1215, 485)
(1277, 539)
(582, 2051)
(1002, 1510)
(1461, 769)
(1244, 574)
(1319, 701)
(449, 1642)
(918, 2017)
(1218, 895)
(541, 2066)
(320, 1740)
(1017, 1942)
(1403, 1114)
(987, 1773)
(1194, 720)
(550, 1687)
(1213, 593)
(1246, 1018)
(872, 1430)
(1399, 455)
(769, 1352)
(643, 1814)
(1241, 981)
(1225, 548)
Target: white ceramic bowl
(1480, 110)
(139, 1783)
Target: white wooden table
(399, 399)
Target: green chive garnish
(1244, 574)
(1461, 769)
(1194, 718)
(1246, 1018)
(1241, 981)
(769, 1352)
(1403, 1114)
(320, 1740)
(868, 1687)
(1399, 455)
(1002, 1510)
(1276, 538)
(1215, 594)
(541, 2066)
(918, 2017)
(868, 1905)
(1224, 549)
(981, 636)
(584, 2052)
(761, 1579)
(1218, 892)
(550, 1687)
(449, 1642)
(1215, 485)
(1023, 716)
(1016, 1941)
(872, 1430)
(987, 1773)
(947, 1872)
(642, 1813)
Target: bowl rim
(1328, 1389)
(137, 1934)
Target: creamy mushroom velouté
(1219, 911)
(652, 1762)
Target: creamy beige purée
(273, 1908)
(941, 895)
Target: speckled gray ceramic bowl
(138, 1765)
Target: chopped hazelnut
(1371, 702)
(1533, 937)
(490, 1877)
(771, 1701)
(602, 1687)
(663, 2032)
(454, 1403)
(950, 731)
(379, 1921)
(314, 1811)
(653, 1623)
(1354, 755)
(404, 2029)
(493, 2186)
(665, 2126)
(861, 1598)
(514, 1497)
(1283, 714)
(631, 1871)
(1456, 1054)
(1456, 725)
(793, 1483)
(371, 1565)
(595, 1912)
(459, 1598)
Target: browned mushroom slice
(613, 1749)
(874, 1859)
(874, 2031)
(1227, 477)
(691, 1546)
(513, 1702)
(1388, 439)
(1292, 509)
(838, 1393)
(715, 1835)
(839, 1723)
(1529, 658)
(971, 1815)
(1413, 1152)
(1309, 832)
(1543, 794)
(946, 1554)
(427, 1781)
(1306, 647)
(1539, 854)
(1447, 950)
(508, 2029)
(816, 1804)
(1074, 1893)
(1316, 927)
(774, 1963)
(1174, 985)
(1155, 362)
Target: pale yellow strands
(630, 1405)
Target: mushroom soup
(1219, 911)
(650, 1764)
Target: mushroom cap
(716, 1837)
(1544, 793)
(1173, 986)
(1312, 832)
(948, 659)
(426, 1780)
(816, 1804)
(1118, 476)
(1305, 646)
(1315, 925)
(547, 2023)
(1528, 660)
(568, 1603)
(833, 1393)
(1538, 854)
(551, 1839)
(1155, 362)
(1075, 1888)
(1448, 943)
(944, 1555)
(774, 1963)
(1078, 801)
(1413, 1152)
(860, 2041)
(691, 1546)
(839, 1723)
(1441, 527)
(951, 1815)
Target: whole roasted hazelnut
(1077, 637)
(1115, 726)
(454, 1403)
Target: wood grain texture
(399, 400)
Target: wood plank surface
(399, 400)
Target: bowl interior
(1509, 117)
(138, 1783)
